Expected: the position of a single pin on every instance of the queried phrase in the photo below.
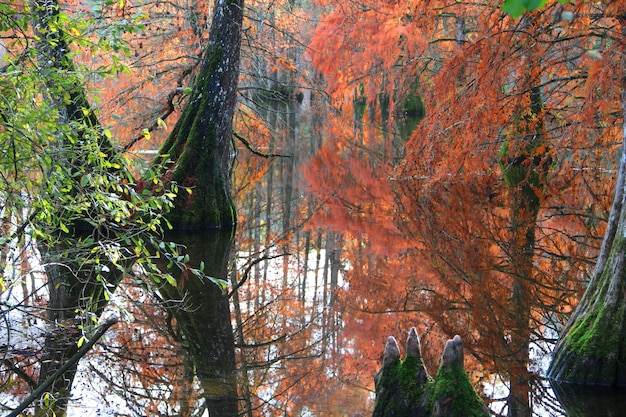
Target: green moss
(403, 388)
(406, 375)
(194, 146)
(454, 392)
(593, 335)
(412, 111)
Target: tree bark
(592, 347)
(73, 288)
(200, 144)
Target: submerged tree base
(404, 388)
(592, 348)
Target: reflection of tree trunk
(579, 401)
(240, 340)
(202, 314)
(73, 292)
(522, 248)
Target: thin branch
(71, 362)
(256, 152)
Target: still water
(588, 402)
(285, 339)
(291, 349)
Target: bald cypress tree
(592, 348)
(200, 144)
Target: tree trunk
(73, 287)
(592, 348)
(200, 144)
(525, 175)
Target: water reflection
(296, 360)
(202, 313)
(578, 401)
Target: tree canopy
(446, 164)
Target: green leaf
(514, 8)
(170, 280)
(534, 4)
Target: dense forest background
(396, 164)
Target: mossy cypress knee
(404, 387)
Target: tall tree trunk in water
(525, 175)
(202, 313)
(200, 144)
(592, 348)
(201, 150)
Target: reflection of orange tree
(488, 224)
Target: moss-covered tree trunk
(200, 150)
(200, 144)
(592, 347)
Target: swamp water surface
(287, 355)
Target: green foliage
(62, 182)
(516, 8)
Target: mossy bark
(592, 348)
(404, 388)
(411, 112)
(200, 144)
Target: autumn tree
(482, 204)
(65, 188)
(88, 196)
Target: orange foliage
(438, 229)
